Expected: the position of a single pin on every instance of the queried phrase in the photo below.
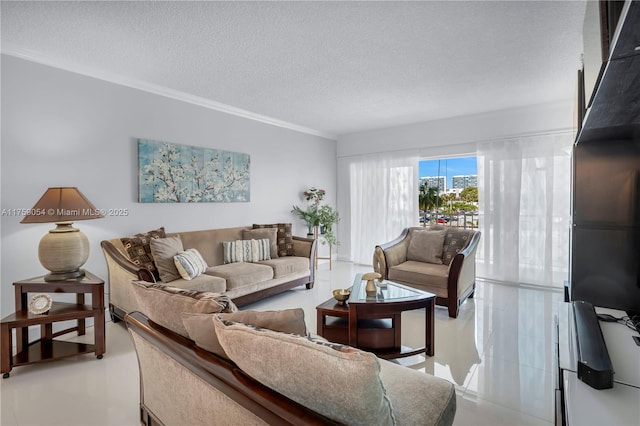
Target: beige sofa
(440, 260)
(181, 383)
(243, 282)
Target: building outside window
(438, 182)
(464, 181)
(453, 178)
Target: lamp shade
(64, 249)
(62, 204)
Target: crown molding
(28, 55)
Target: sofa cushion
(425, 246)
(208, 242)
(190, 264)
(317, 374)
(258, 234)
(285, 237)
(288, 265)
(246, 250)
(202, 282)
(202, 330)
(241, 274)
(164, 305)
(139, 250)
(420, 273)
(163, 251)
(418, 398)
(454, 241)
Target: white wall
(64, 129)
(448, 134)
(455, 136)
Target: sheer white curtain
(524, 187)
(382, 198)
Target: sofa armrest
(306, 247)
(125, 264)
(303, 247)
(390, 254)
(119, 260)
(462, 271)
(121, 272)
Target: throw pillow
(258, 234)
(190, 264)
(245, 250)
(139, 249)
(163, 251)
(202, 330)
(426, 246)
(284, 235)
(340, 382)
(454, 241)
(164, 304)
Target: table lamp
(64, 249)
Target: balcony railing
(456, 220)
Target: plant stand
(316, 235)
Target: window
(448, 192)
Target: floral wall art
(172, 173)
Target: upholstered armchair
(440, 260)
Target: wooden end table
(374, 323)
(47, 348)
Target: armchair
(439, 260)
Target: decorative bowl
(341, 295)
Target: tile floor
(498, 353)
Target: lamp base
(64, 276)
(63, 251)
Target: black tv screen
(605, 252)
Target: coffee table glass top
(388, 291)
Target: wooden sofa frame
(223, 376)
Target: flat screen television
(605, 252)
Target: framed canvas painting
(173, 173)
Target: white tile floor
(498, 353)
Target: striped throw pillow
(190, 263)
(246, 250)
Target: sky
(449, 167)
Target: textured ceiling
(335, 67)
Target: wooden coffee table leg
(397, 331)
(319, 323)
(353, 326)
(429, 342)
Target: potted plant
(317, 215)
(309, 216)
(327, 217)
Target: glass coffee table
(374, 323)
